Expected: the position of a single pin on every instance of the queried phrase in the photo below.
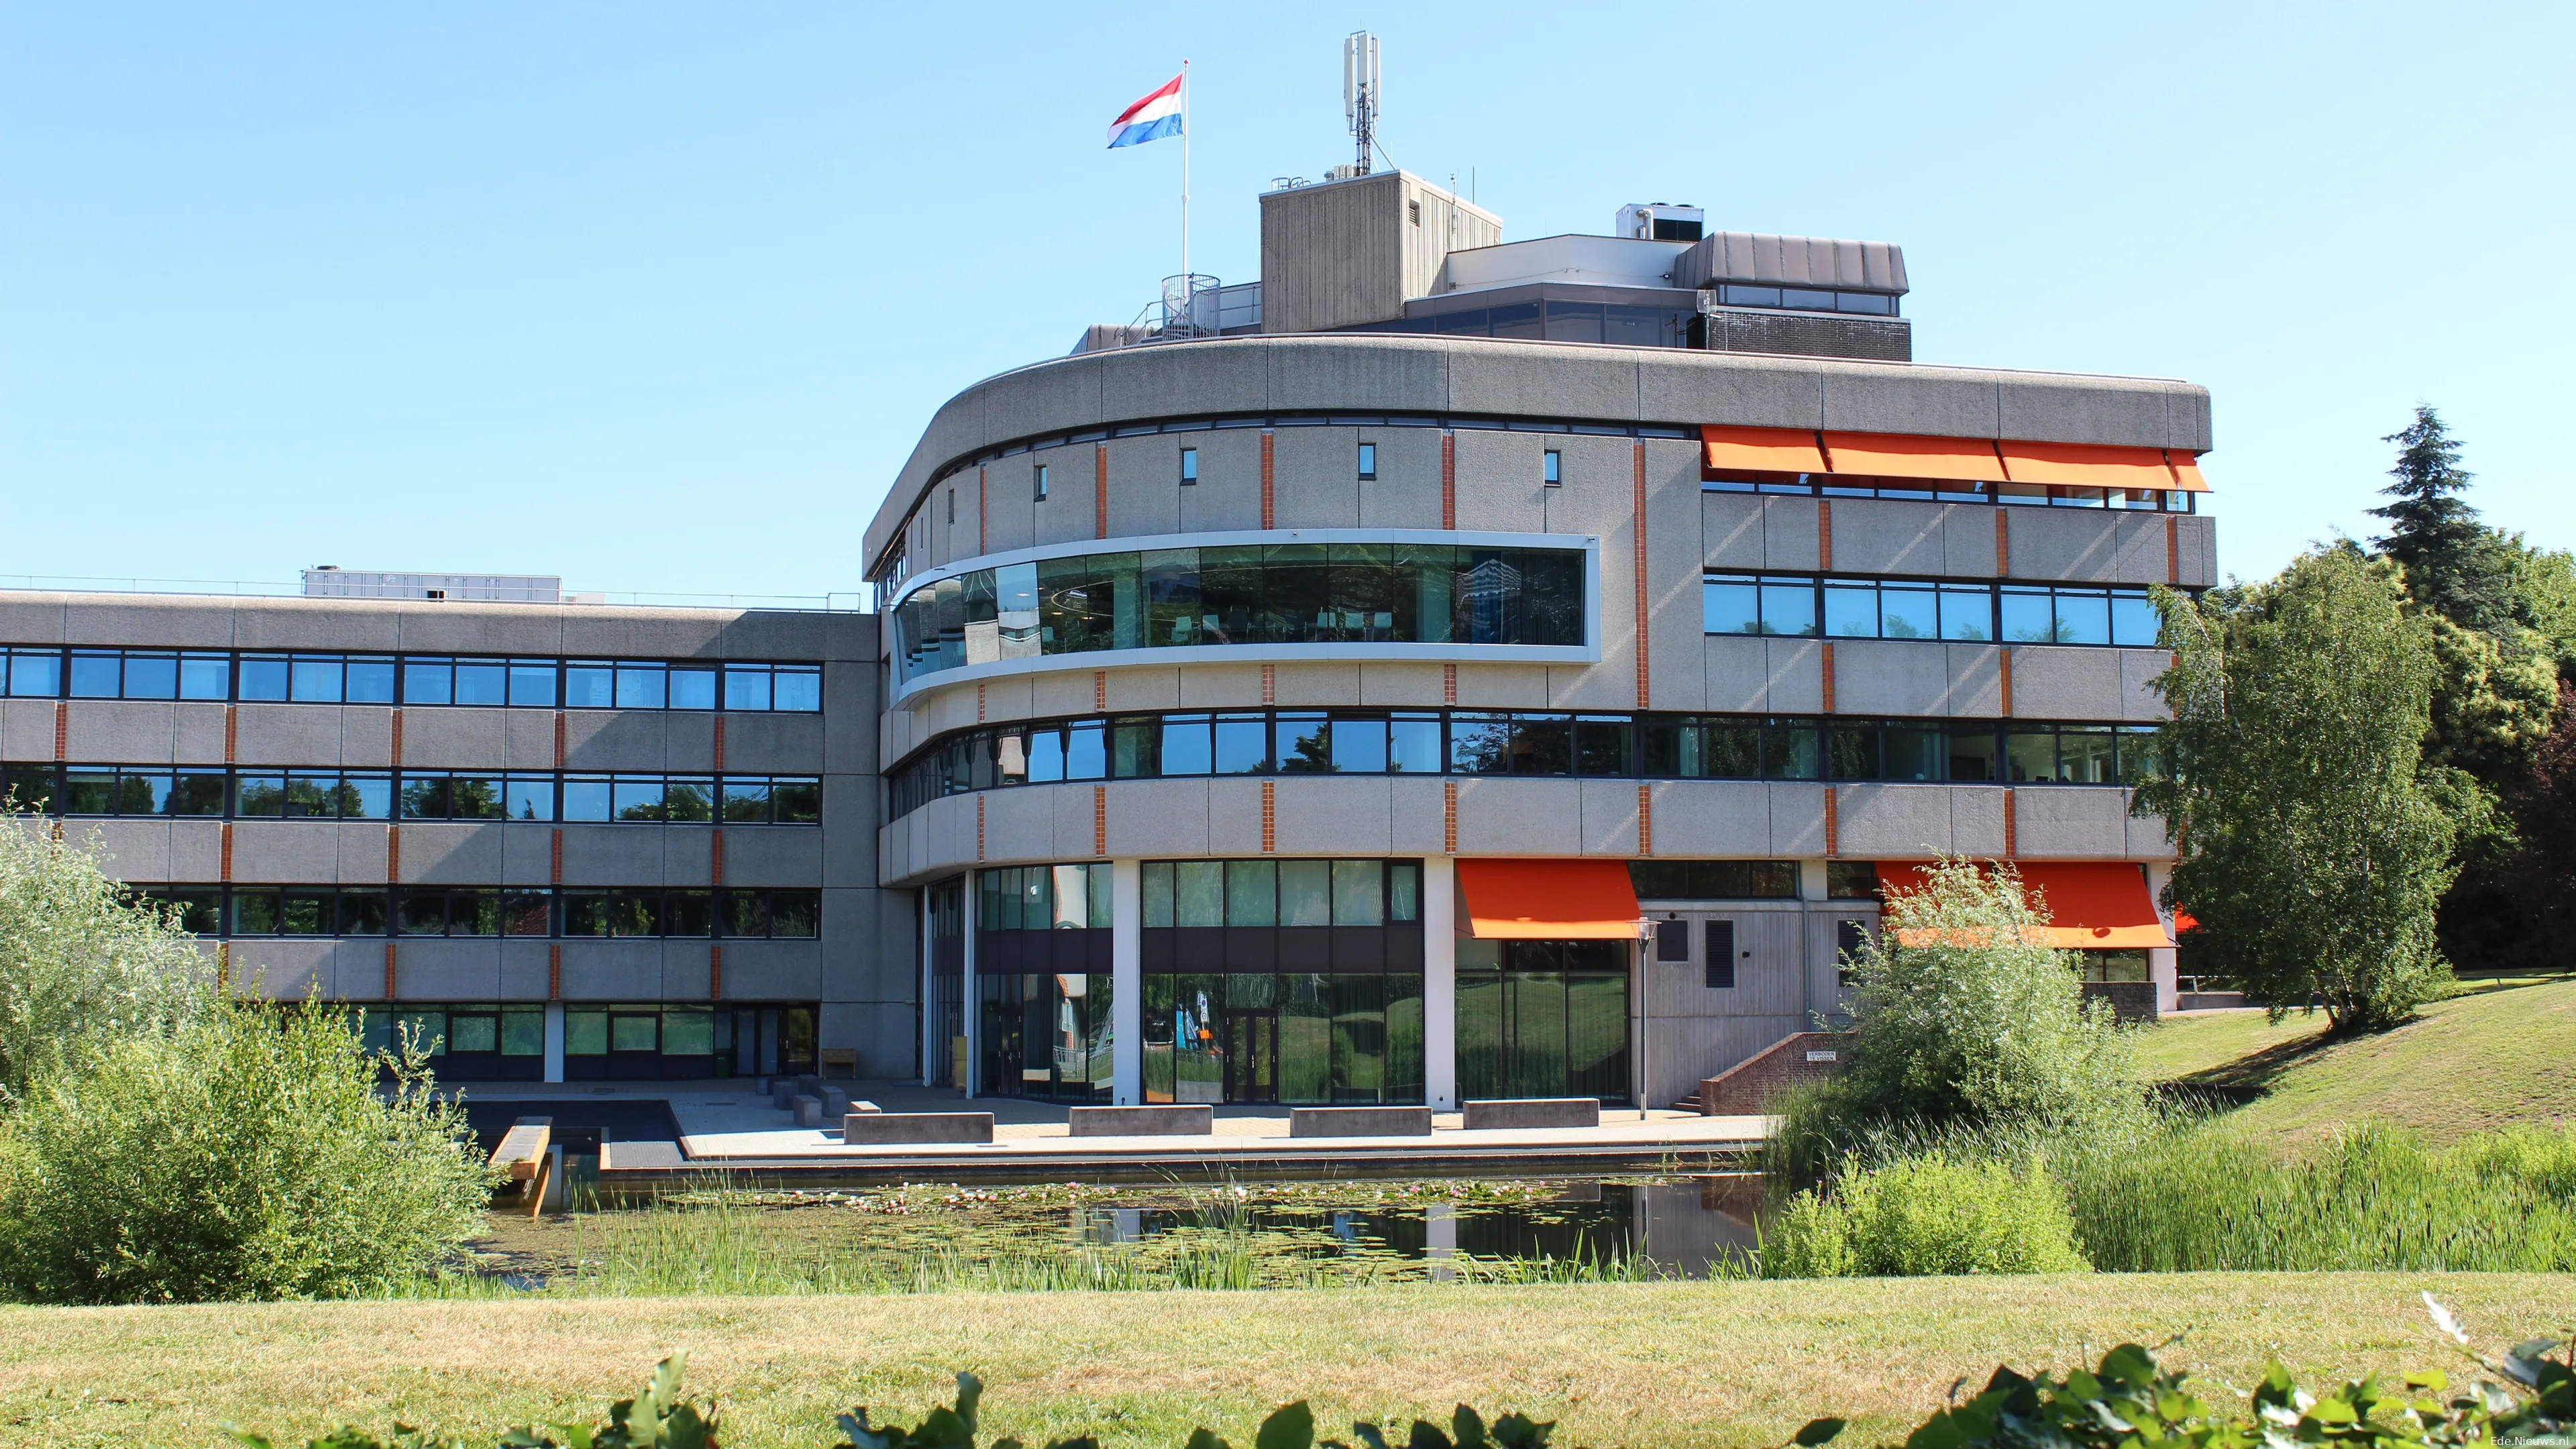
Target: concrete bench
(1522, 1112)
(917, 1127)
(1359, 1121)
(808, 1110)
(522, 1149)
(1180, 1120)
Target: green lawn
(2498, 1054)
(1668, 1363)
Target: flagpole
(1185, 187)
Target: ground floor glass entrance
(1046, 1036)
(1543, 1019)
(1297, 1037)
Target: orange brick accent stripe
(2003, 543)
(391, 991)
(63, 731)
(1645, 819)
(979, 830)
(2173, 549)
(555, 868)
(1100, 689)
(1268, 442)
(1100, 490)
(1833, 819)
(1269, 816)
(224, 867)
(554, 972)
(715, 857)
(1100, 819)
(393, 854)
(715, 972)
(232, 719)
(720, 742)
(2012, 824)
(1269, 684)
(1449, 817)
(394, 747)
(2006, 659)
(1448, 478)
(979, 704)
(559, 740)
(1645, 685)
(1829, 676)
(1448, 684)
(1824, 533)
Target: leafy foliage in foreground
(2128, 1402)
(1926, 1215)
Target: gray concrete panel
(1607, 685)
(1512, 378)
(358, 624)
(1417, 814)
(2066, 682)
(2198, 556)
(2070, 822)
(364, 848)
(1968, 539)
(1610, 818)
(35, 618)
(1325, 815)
(367, 736)
(1738, 673)
(295, 970)
(1939, 404)
(763, 855)
(1899, 822)
(1412, 374)
(1791, 534)
(1732, 526)
(527, 855)
(688, 856)
(135, 850)
(2141, 539)
(1400, 686)
(1598, 494)
(1145, 485)
(1315, 478)
(1019, 825)
(2149, 838)
(1070, 692)
(1499, 484)
(524, 971)
(2076, 544)
(1500, 816)
(1143, 689)
(119, 731)
(460, 628)
(196, 850)
(1797, 820)
(1010, 514)
(2139, 669)
(1406, 491)
(1888, 536)
(439, 853)
(1976, 680)
(1159, 819)
(1892, 677)
(1768, 392)
(1502, 686)
(689, 742)
(197, 734)
(459, 739)
(603, 739)
(604, 855)
(1712, 819)
(850, 847)
(1328, 682)
(608, 971)
(1066, 515)
(137, 622)
(773, 971)
(527, 739)
(1220, 686)
(286, 852)
(946, 710)
(27, 729)
(447, 970)
(679, 634)
(1228, 493)
(287, 734)
(2108, 410)
(1977, 820)
(1795, 682)
(1077, 821)
(1233, 817)
(688, 968)
(849, 718)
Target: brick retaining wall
(1746, 1089)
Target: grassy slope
(1681, 1363)
(2473, 1063)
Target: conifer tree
(2451, 558)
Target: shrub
(79, 962)
(1925, 1215)
(246, 1155)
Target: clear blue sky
(658, 296)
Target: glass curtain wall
(1283, 981)
(1543, 1019)
(946, 1006)
(1042, 982)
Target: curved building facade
(1281, 717)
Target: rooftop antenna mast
(1362, 92)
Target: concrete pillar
(1440, 981)
(932, 1027)
(969, 1010)
(554, 1041)
(2162, 966)
(1127, 982)
(1813, 978)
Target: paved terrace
(725, 1127)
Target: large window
(1322, 593)
(1529, 743)
(473, 795)
(413, 679)
(1543, 1019)
(2043, 495)
(1042, 981)
(1805, 606)
(493, 911)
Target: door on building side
(1252, 1056)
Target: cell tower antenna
(1363, 92)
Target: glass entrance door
(1252, 1056)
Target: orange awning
(2186, 471)
(1898, 455)
(1549, 900)
(2083, 465)
(2096, 905)
(1762, 450)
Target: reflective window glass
(315, 679)
(1480, 744)
(424, 797)
(1788, 607)
(589, 685)
(2030, 754)
(428, 681)
(1413, 744)
(368, 679)
(642, 686)
(151, 676)
(482, 682)
(2083, 617)
(311, 795)
(35, 675)
(693, 688)
(532, 683)
(796, 688)
(746, 801)
(262, 676)
(1186, 745)
(1251, 893)
(637, 799)
(1304, 745)
(2133, 620)
(1906, 611)
(1359, 745)
(1305, 893)
(529, 797)
(585, 797)
(689, 801)
(1790, 750)
(1851, 610)
(2027, 618)
(1967, 612)
(796, 801)
(1242, 744)
(746, 686)
(1198, 893)
(259, 795)
(366, 797)
(198, 792)
(1086, 752)
(1913, 752)
(1359, 892)
(362, 911)
(475, 797)
(95, 674)
(2084, 756)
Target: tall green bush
(1925, 1215)
(79, 962)
(248, 1154)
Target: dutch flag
(1151, 119)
